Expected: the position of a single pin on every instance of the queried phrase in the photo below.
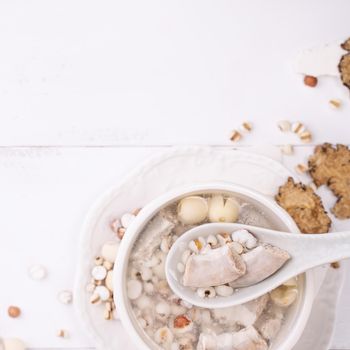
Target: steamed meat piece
(151, 237)
(246, 339)
(261, 263)
(270, 322)
(242, 315)
(213, 268)
(269, 327)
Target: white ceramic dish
(172, 168)
(296, 318)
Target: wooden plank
(45, 194)
(160, 73)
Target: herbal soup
(174, 324)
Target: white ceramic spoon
(306, 251)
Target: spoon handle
(315, 250)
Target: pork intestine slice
(246, 339)
(151, 237)
(215, 267)
(261, 262)
(243, 315)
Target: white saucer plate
(165, 171)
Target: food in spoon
(245, 238)
(215, 267)
(304, 206)
(330, 166)
(261, 262)
(167, 321)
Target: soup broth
(173, 324)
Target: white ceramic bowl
(298, 314)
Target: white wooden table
(89, 89)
